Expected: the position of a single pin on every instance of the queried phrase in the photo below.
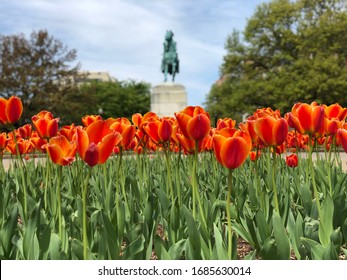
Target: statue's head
(169, 34)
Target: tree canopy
(42, 71)
(290, 51)
(33, 68)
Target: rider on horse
(170, 62)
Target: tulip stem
(195, 185)
(168, 172)
(20, 159)
(59, 201)
(230, 239)
(84, 209)
(315, 191)
(274, 181)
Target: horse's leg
(165, 71)
(173, 71)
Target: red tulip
(271, 130)
(292, 160)
(89, 119)
(342, 136)
(125, 128)
(307, 118)
(159, 131)
(95, 144)
(232, 151)
(335, 111)
(45, 125)
(3, 142)
(194, 122)
(24, 146)
(61, 150)
(10, 110)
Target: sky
(125, 37)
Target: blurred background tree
(290, 51)
(118, 99)
(42, 71)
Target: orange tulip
(253, 155)
(188, 145)
(232, 147)
(194, 122)
(95, 144)
(69, 131)
(335, 111)
(3, 142)
(226, 122)
(25, 131)
(272, 130)
(125, 128)
(45, 125)
(342, 137)
(292, 160)
(307, 118)
(89, 119)
(10, 110)
(24, 146)
(37, 142)
(61, 150)
(248, 126)
(159, 131)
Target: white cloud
(125, 37)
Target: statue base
(168, 98)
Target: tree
(118, 99)
(39, 70)
(290, 51)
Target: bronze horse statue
(170, 62)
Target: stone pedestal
(168, 98)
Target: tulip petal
(91, 156)
(55, 153)
(165, 130)
(218, 141)
(14, 109)
(106, 146)
(182, 120)
(82, 142)
(199, 127)
(234, 152)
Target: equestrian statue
(170, 62)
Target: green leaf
(31, 248)
(314, 248)
(194, 240)
(134, 249)
(8, 231)
(176, 250)
(221, 251)
(281, 237)
(326, 221)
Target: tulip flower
(61, 150)
(194, 122)
(37, 142)
(10, 110)
(125, 128)
(159, 131)
(45, 125)
(89, 119)
(3, 142)
(307, 118)
(335, 111)
(292, 160)
(272, 130)
(232, 147)
(25, 131)
(342, 136)
(24, 146)
(96, 142)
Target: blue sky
(125, 37)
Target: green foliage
(118, 99)
(39, 70)
(290, 51)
